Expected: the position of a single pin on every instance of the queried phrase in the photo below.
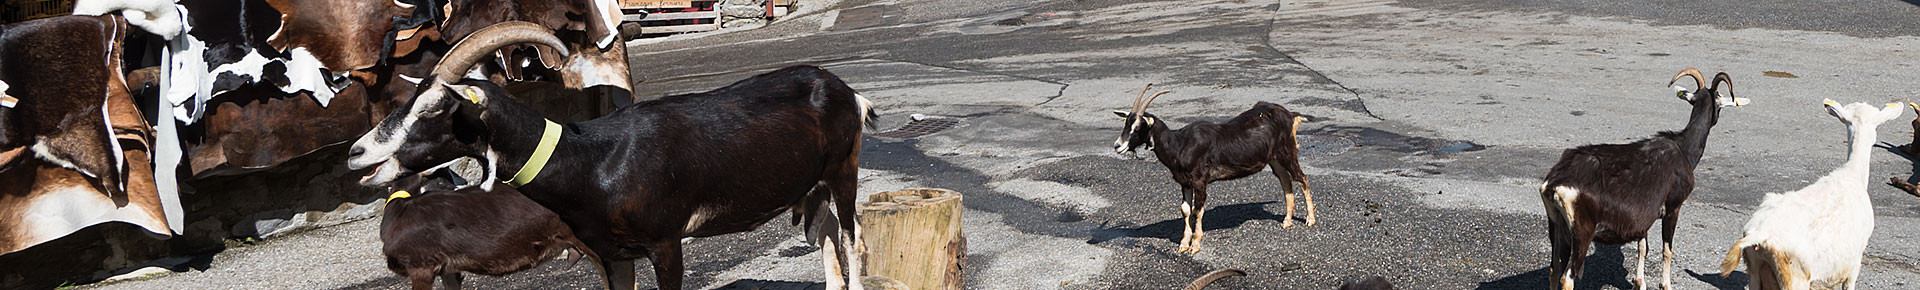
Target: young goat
(431, 229)
(1612, 193)
(632, 184)
(1817, 233)
(1204, 152)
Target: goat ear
(1123, 114)
(1683, 93)
(469, 94)
(1833, 108)
(1891, 111)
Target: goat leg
(450, 280)
(618, 274)
(667, 267)
(421, 278)
(1199, 218)
(1288, 221)
(1902, 183)
(1186, 219)
(1308, 191)
(1666, 245)
(1640, 267)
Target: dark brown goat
(1203, 152)
(431, 229)
(1612, 193)
(1913, 151)
(634, 183)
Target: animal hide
(77, 147)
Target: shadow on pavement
(1735, 281)
(1222, 217)
(772, 285)
(1605, 267)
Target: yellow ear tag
(473, 95)
(1149, 121)
(9, 102)
(398, 195)
(1830, 102)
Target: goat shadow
(1606, 266)
(1220, 217)
(745, 284)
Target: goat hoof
(1310, 222)
(1286, 224)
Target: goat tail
(1733, 255)
(1216, 275)
(866, 111)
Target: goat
(1202, 152)
(1210, 277)
(432, 229)
(632, 184)
(1817, 233)
(1611, 193)
(1913, 151)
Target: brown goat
(431, 229)
(1201, 153)
(1612, 193)
(1913, 151)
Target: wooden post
(914, 236)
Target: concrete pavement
(1432, 121)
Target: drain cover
(862, 17)
(919, 128)
(1316, 145)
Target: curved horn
(1699, 82)
(1156, 95)
(482, 43)
(1722, 77)
(1137, 107)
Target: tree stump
(914, 236)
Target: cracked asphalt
(1431, 123)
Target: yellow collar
(548, 139)
(398, 195)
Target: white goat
(1817, 233)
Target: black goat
(1203, 152)
(432, 229)
(632, 184)
(1611, 193)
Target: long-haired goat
(632, 184)
(1611, 193)
(1204, 152)
(1817, 233)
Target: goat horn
(1700, 82)
(1156, 95)
(1722, 77)
(1143, 95)
(468, 52)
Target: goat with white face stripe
(1612, 193)
(632, 184)
(1262, 137)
